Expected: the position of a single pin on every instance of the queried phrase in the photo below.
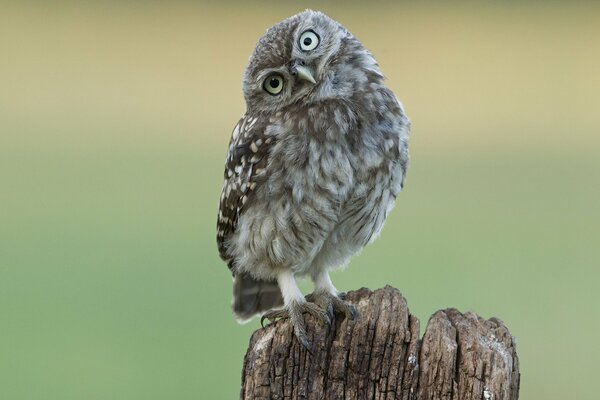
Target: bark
(380, 356)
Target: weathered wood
(380, 356)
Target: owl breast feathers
(316, 163)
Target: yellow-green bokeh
(114, 122)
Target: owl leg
(295, 305)
(327, 296)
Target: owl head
(305, 58)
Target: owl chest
(309, 170)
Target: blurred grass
(114, 120)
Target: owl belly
(362, 216)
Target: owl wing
(245, 166)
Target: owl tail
(252, 297)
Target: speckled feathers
(314, 167)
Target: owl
(313, 169)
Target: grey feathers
(313, 169)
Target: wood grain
(380, 356)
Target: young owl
(313, 169)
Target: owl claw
(333, 304)
(304, 342)
(262, 321)
(330, 312)
(295, 312)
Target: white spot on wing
(236, 131)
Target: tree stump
(380, 356)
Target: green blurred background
(114, 123)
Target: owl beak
(303, 73)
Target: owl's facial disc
(301, 72)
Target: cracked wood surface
(380, 356)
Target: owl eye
(273, 84)
(309, 40)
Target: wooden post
(380, 356)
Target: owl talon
(334, 303)
(330, 312)
(304, 342)
(295, 312)
(273, 316)
(262, 321)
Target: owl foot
(333, 303)
(295, 311)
